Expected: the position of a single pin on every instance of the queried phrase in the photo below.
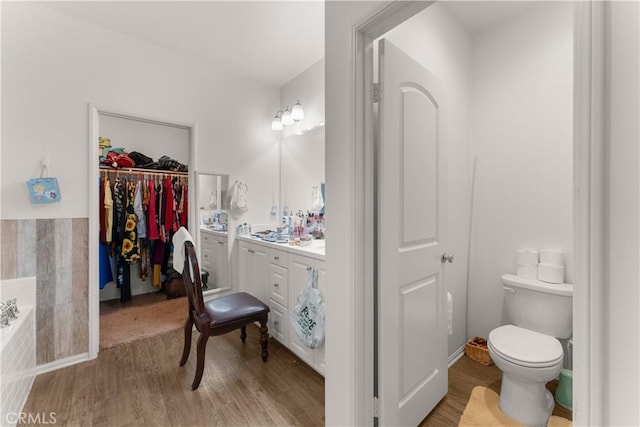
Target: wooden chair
(219, 316)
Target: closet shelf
(141, 171)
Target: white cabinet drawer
(206, 238)
(278, 322)
(278, 284)
(278, 257)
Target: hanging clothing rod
(138, 171)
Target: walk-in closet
(143, 200)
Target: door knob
(446, 257)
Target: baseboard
(62, 363)
(456, 355)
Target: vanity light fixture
(287, 117)
(287, 120)
(276, 123)
(297, 112)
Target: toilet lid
(524, 347)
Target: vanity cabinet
(253, 272)
(214, 256)
(282, 272)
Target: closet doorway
(143, 308)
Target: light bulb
(297, 112)
(286, 117)
(276, 124)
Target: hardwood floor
(464, 375)
(140, 384)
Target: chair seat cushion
(234, 308)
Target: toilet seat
(524, 347)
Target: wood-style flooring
(464, 375)
(140, 384)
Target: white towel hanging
(238, 203)
(317, 201)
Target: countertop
(314, 250)
(215, 233)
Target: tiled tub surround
(17, 349)
(56, 252)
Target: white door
(412, 339)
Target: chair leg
(188, 326)
(264, 339)
(243, 333)
(202, 345)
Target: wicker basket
(476, 349)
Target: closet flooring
(143, 316)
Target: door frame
(589, 211)
(95, 112)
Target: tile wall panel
(55, 251)
(8, 239)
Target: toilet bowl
(527, 349)
(528, 360)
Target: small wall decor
(44, 189)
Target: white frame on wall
(589, 215)
(94, 172)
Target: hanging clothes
(141, 226)
(138, 217)
(184, 219)
(101, 209)
(152, 227)
(130, 248)
(108, 210)
(169, 208)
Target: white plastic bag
(307, 317)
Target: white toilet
(527, 350)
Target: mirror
(212, 197)
(302, 168)
(211, 237)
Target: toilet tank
(539, 306)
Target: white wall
(436, 40)
(308, 88)
(55, 65)
(521, 132)
(622, 349)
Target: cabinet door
(221, 263)
(253, 272)
(298, 272)
(206, 260)
(245, 260)
(260, 273)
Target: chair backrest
(192, 284)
